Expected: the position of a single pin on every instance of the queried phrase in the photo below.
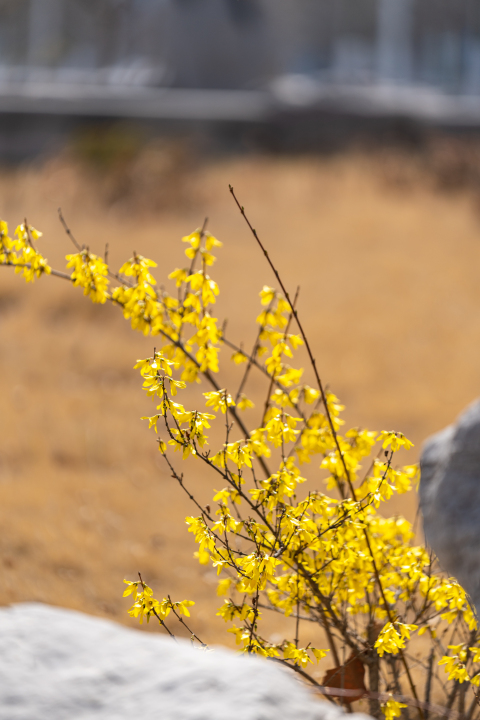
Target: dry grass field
(389, 272)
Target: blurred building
(241, 43)
(240, 59)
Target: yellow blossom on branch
(285, 536)
(392, 709)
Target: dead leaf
(348, 677)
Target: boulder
(450, 499)
(59, 664)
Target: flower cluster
(312, 546)
(145, 605)
(90, 273)
(21, 251)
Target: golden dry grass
(390, 297)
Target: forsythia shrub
(321, 555)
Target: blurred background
(350, 131)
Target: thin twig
(68, 231)
(307, 345)
(181, 620)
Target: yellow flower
(392, 709)
(179, 276)
(455, 668)
(220, 400)
(392, 638)
(244, 403)
(91, 273)
(267, 295)
(310, 394)
(395, 440)
(239, 357)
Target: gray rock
(58, 664)
(450, 498)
